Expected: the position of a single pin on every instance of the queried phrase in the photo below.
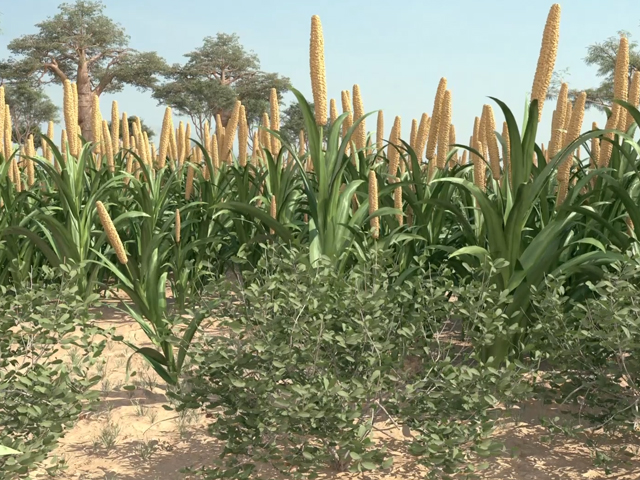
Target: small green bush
(41, 391)
(314, 361)
(591, 350)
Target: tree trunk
(225, 115)
(85, 101)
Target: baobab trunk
(85, 102)
(225, 115)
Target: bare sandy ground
(131, 437)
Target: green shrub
(313, 362)
(591, 349)
(41, 391)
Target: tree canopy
(214, 76)
(82, 44)
(603, 56)
(30, 107)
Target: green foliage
(214, 76)
(316, 362)
(592, 346)
(82, 35)
(30, 107)
(603, 56)
(41, 391)
(144, 277)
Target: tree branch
(53, 66)
(109, 75)
(106, 53)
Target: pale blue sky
(396, 51)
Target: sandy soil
(131, 437)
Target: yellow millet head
(181, 144)
(17, 177)
(479, 168)
(492, 143)
(358, 112)
(333, 111)
(423, 133)
(435, 119)
(577, 117)
(595, 148)
(444, 123)
(380, 131)
(215, 158)
(108, 147)
(607, 147)
(126, 143)
(147, 148)
(621, 72)
(563, 189)
(318, 75)
(173, 144)
(557, 123)
(243, 137)
(565, 125)
(302, 146)
(2, 104)
(31, 152)
(255, 150)
(633, 98)
(30, 147)
(634, 89)
(187, 139)
(188, 189)
(392, 152)
(69, 114)
(115, 126)
(452, 141)
(76, 126)
(265, 136)
(50, 135)
(64, 142)
(96, 124)
(413, 135)
(206, 137)
(373, 204)
(547, 58)
(397, 204)
(230, 131)
(111, 149)
(506, 151)
(8, 129)
(275, 120)
(165, 138)
(112, 233)
(346, 108)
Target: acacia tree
(30, 107)
(601, 55)
(82, 44)
(214, 76)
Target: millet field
(345, 301)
